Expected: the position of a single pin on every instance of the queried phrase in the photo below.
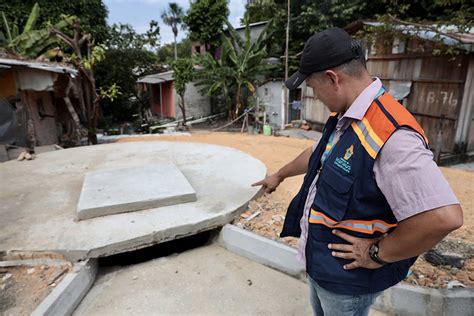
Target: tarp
(7, 122)
(399, 89)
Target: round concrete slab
(39, 197)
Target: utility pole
(285, 89)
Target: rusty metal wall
(436, 92)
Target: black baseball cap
(325, 50)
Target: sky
(139, 13)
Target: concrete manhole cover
(113, 191)
(39, 198)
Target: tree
(309, 17)
(85, 56)
(166, 52)
(123, 36)
(240, 64)
(126, 59)
(92, 14)
(182, 74)
(32, 41)
(173, 17)
(206, 19)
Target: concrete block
(3, 153)
(70, 291)
(107, 192)
(405, 299)
(261, 250)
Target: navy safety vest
(349, 199)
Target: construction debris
(24, 155)
(253, 216)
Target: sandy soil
(22, 289)
(276, 151)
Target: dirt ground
(23, 288)
(266, 214)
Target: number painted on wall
(444, 97)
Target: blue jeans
(328, 303)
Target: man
(372, 199)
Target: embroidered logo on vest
(342, 162)
(349, 153)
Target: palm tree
(173, 17)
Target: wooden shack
(437, 89)
(37, 104)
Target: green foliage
(240, 64)
(32, 42)
(205, 20)
(92, 13)
(123, 36)
(165, 53)
(182, 74)
(308, 17)
(111, 93)
(126, 59)
(173, 17)
(97, 55)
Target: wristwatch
(374, 254)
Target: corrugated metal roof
(448, 34)
(38, 65)
(157, 78)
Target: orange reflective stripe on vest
(366, 227)
(375, 128)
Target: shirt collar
(361, 104)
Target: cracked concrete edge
(262, 250)
(70, 291)
(402, 299)
(34, 262)
(157, 237)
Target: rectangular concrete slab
(106, 192)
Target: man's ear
(332, 76)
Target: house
(437, 89)
(164, 99)
(37, 103)
(302, 105)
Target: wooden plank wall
(436, 92)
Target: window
(398, 46)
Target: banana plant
(239, 66)
(31, 42)
(13, 32)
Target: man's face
(326, 91)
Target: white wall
(269, 95)
(197, 105)
(314, 110)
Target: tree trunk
(175, 48)
(238, 105)
(75, 118)
(183, 109)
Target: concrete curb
(402, 299)
(405, 299)
(70, 291)
(262, 250)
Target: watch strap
(374, 254)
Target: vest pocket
(323, 266)
(333, 193)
